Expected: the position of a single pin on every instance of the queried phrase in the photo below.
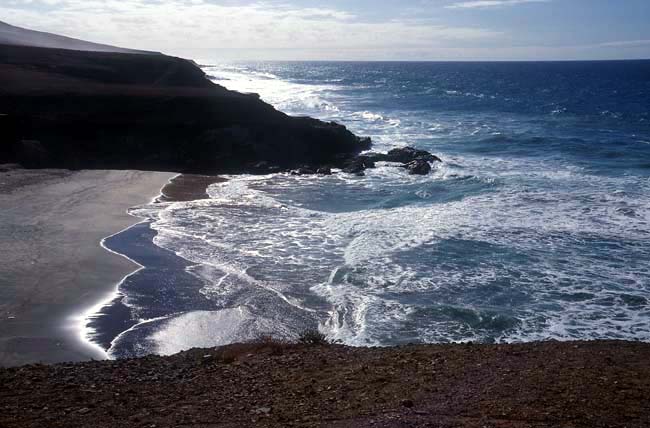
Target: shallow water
(536, 225)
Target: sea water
(535, 226)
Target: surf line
(82, 320)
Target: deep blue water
(536, 225)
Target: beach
(53, 266)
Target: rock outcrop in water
(418, 167)
(112, 110)
(403, 155)
(416, 162)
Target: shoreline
(105, 324)
(123, 326)
(276, 383)
(55, 268)
(188, 187)
(87, 317)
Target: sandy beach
(53, 267)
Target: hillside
(12, 35)
(112, 110)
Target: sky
(438, 30)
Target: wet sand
(189, 187)
(53, 267)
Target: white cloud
(625, 43)
(174, 25)
(483, 4)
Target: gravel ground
(550, 384)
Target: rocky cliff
(81, 110)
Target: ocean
(536, 226)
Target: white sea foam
(349, 257)
(371, 116)
(289, 97)
(499, 248)
(208, 328)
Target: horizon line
(437, 60)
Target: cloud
(625, 43)
(484, 4)
(174, 25)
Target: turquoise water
(535, 226)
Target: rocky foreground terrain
(550, 384)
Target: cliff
(113, 110)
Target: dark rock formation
(324, 170)
(409, 154)
(356, 167)
(403, 155)
(8, 133)
(151, 112)
(31, 153)
(414, 160)
(366, 161)
(418, 167)
(263, 168)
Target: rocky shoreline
(114, 110)
(416, 162)
(276, 384)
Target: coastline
(116, 328)
(55, 267)
(530, 232)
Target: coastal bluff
(63, 108)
